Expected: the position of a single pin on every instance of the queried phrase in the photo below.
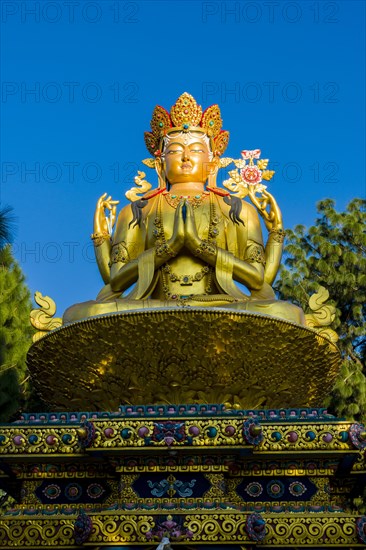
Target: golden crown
(186, 116)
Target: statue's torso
(186, 274)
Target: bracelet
(99, 238)
(206, 247)
(256, 255)
(119, 254)
(164, 250)
(278, 234)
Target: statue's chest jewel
(173, 199)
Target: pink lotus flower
(251, 175)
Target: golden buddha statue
(188, 242)
(187, 313)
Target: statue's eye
(173, 151)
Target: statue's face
(187, 159)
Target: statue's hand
(176, 241)
(192, 240)
(102, 223)
(271, 217)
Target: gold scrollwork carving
(322, 494)
(43, 318)
(111, 528)
(143, 186)
(36, 532)
(322, 314)
(127, 529)
(310, 530)
(217, 527)
(28, 493)
(127, 494)
(218, 486)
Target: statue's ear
(212, 168)
(159, 167)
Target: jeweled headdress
(187, 116)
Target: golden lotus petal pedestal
(186, 355)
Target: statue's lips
(186, 167)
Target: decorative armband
(278, 234)
(206, 247)
(255, 254)
(164, 250)
(99, 238)
(119, 254)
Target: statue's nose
(185, 154)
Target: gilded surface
(311, 530)
(43, 318)
(33, 533)
(111, 435)
(61, 471)
(33, 440)
(124, 529)
(287, 468)
(230, 527)
(360, 464)
(28, 493)
(322, 494)
(217, 527)
(294, 437)
(186, 356)
(224, 433)
(126, 492)
(322, 314)
(175, 468)
(217, 490)
(280, 530)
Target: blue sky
(80, 81)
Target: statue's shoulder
(225, 203)
(146, 206)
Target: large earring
(212, 169)
(160, 172)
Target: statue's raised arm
(103, 227)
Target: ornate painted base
(187, 355)
(201, 475)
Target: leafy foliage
(15, 334)
(332, 253)
(6, 226)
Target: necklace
(184, 280)
(187, 280)
(194, 200)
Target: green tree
(15, 334)
(6, 226)
(332, 253)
